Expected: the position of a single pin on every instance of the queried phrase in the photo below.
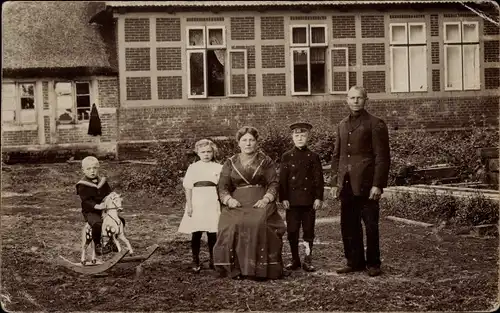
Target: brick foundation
(223, 120)
(20, 138)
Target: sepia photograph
(250, 156)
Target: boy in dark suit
(301, 192)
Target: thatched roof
(56, 35)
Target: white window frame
(331, 71)
(74, 97)
(445, 38)
(204, 52)
(462, 44)
(245, 70)
(306, 44)
(391, 40)
(319, 44)
(207, 33)
(398, 45)
(17, 97)
(204, 36)
(308, 51)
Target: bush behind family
(409, 147)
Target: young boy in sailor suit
(301, 192)
(92, 189)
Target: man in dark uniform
(301, 192)
(360, 170)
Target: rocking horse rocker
(113, 231)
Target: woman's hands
(233, 203)
(262, 203)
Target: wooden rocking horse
(113, 230)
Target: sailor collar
(91, 184)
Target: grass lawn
(41, 219)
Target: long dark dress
(249, 239)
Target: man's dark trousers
(295, 216)
(353, 209)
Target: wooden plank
(488, 153)
(407, 221)
(92, 269)
(141, 258)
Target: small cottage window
(207, 62)
(408, 57)
(73, 101)
(308, 59)
(461, 56)
(18, 103)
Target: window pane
(83, 114)
(417, 34)
(299, 35)
(452, 32)
(471, 66)
(8, 97)
(27, 104)
(82, 88)
(215, 37)
(318, 35)
(453, 67)
(8, 116)
(318, 70)
(300, 71)
(418, 68)
(197, 76)
(64, 104)
(27, 90)
(196, 37)
(470, 32)
(216, 60)
(63, 88)
(399, 68)
(28, 116)
(398, 34)
(83, 101)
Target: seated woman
(249, 238)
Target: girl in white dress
(202, 210)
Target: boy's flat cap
(300, 126)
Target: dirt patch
(419, 272)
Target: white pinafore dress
(205, 200)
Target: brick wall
(339, 81)
(137, 59)
(20, 138)
(45, 92)
(138, 88)
(252, 85)
(46, 128)
(250, 54)
(373, 54)
(273, 56)
(242, 28)
(169, 87)
(274, 84)
(237, 84)
(435, 52)
(372, 26)
(109, 126)
(76, 134)
(492, 51)
(168, 59)
(272, 27)
(168, 29)
(136, 29)
(352, 79)
(351, 50)
(223, 120)
(492, 78)
(436, 80)
(343, 27)
(490, 28)
(434, 25)
(108, 93)
(374, 81)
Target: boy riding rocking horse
(92, 190)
